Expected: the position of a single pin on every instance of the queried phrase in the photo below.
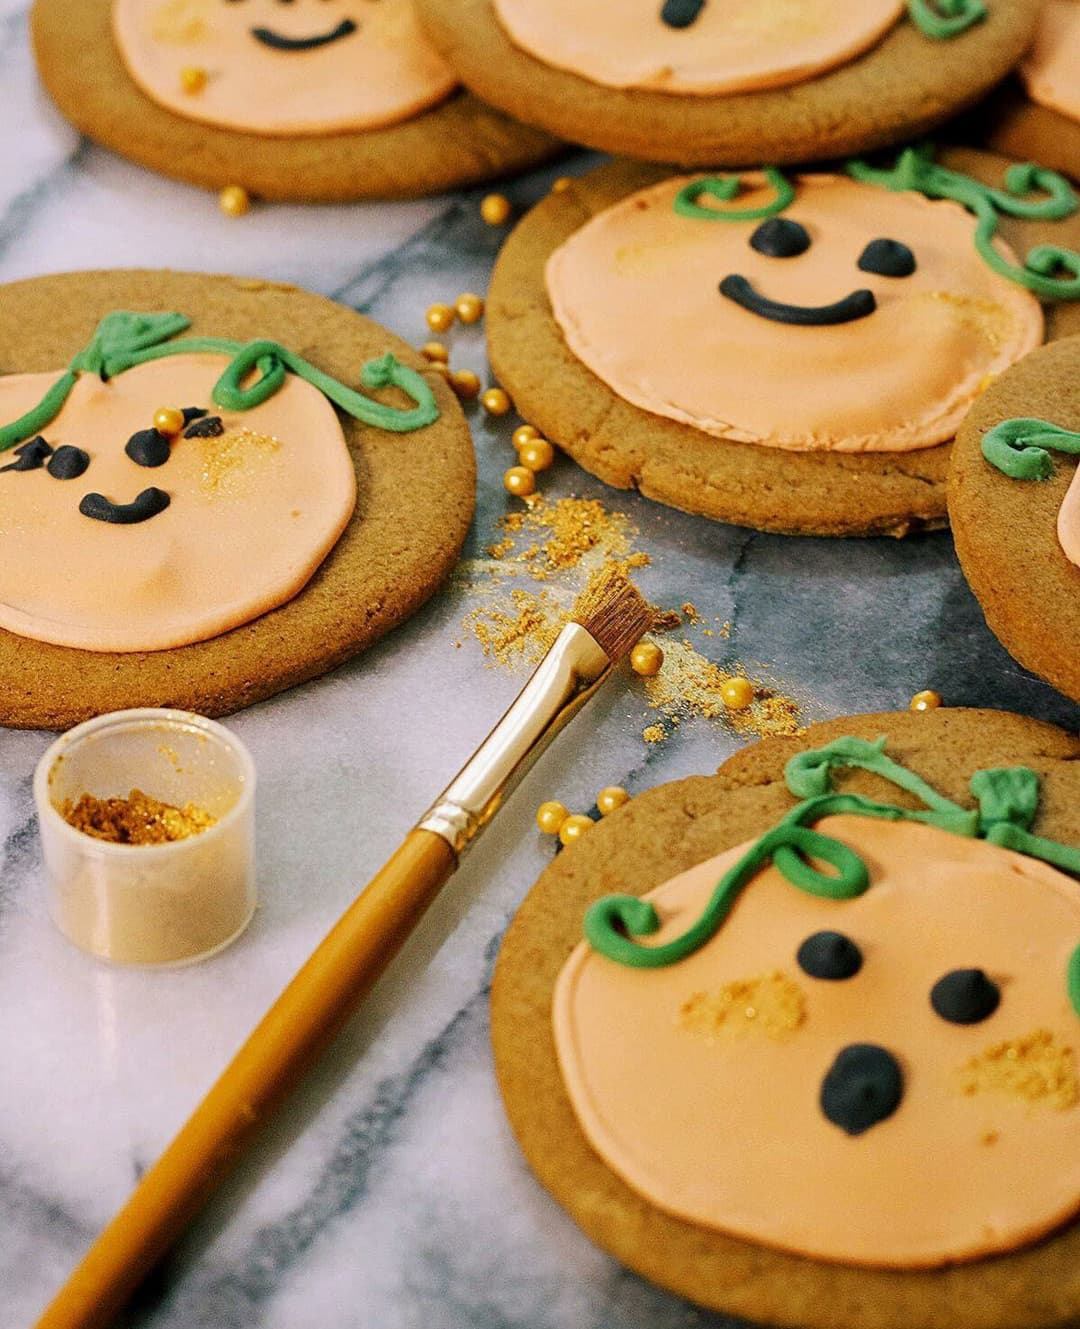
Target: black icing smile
(855, 305)
(277, 42)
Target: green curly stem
(727, 187)
(1050, 271)
(943, 19)
(123, 340)
(1019, 448)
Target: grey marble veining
(390, 1194)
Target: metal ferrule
(569, 674)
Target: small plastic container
(155, 904)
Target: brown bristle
(611, 610)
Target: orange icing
(1051, 69)
(733, 46)
(728, 1133)
(635, 293)
(381, 74)
(1068, 522)
(252, 514)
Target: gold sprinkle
(1036, 1068)
(772, 1003)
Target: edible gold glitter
(654, 733)
(1036, 1068)
(136, 820)
(986, 318)
(179, 22)
(772, 1004)
(223, 456)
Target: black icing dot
(780, 237)
(193, 413)
(144, 506)
(887, 258)
(965, 996)
(864, 1086)
(829, 955)
(68, 463)
(31, 455)
(148, 447)
(210, 427)
(681, 13)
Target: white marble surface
(390, 1195)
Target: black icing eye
(681, 13)
(829, 955)
(887, 258)
(68, 463)
(779, 237)
(148, 447)
(965, 996)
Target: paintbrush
(609, 618)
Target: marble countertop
(390, 1194)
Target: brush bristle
(612, 611)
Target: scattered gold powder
(1036, 1068)
(772, 1004)
(222, 456)
(654, 733)
(179, 22)
(137, 819)
(521, 633)
(691, 614)
(986, 318)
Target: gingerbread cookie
(798, 1041)
(1036, 115)
(789, 353)
(194, 514)
(1014, 504)
(703, 83)
(306, 102)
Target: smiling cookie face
(859, 320)
(697, 47)
(115, 538)
(890, 1079)
(282, 67)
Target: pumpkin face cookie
(700, 82)
(1014, 504)
(193, 514)
(312, 101)
(836, 1051)
(717, 326)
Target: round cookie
(456, 142)
(414, 502)
(901, 87)
(1006, 529)
(667, 831)
(770, 488)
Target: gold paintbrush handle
(295, 1029)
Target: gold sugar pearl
(551, 815)
(465, 383)
(469, 307)
(168, 420)
(574, 827)
(537, 454)
(646, 659)
(192, 79)
(927, 700)
(524, 434)
(495, 209)
(737, 694)
(520, 481)
(440, 318)
(610, 798)
(435, 351)
(496, 402)
(234, 200)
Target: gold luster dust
(1036, 1068)
(135, 820)
(223, 456)
(772, 1004)
(522, 632)
(985, 317)
(179, 22)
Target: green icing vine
(1018, 448)
(1050, 271)
(727, 187)
(943, 19)
(123, 340)
(1008, 799)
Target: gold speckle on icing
(986, 318)
(222, 457)
(180, 22)
(772, 1004)
(1036, 1068)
